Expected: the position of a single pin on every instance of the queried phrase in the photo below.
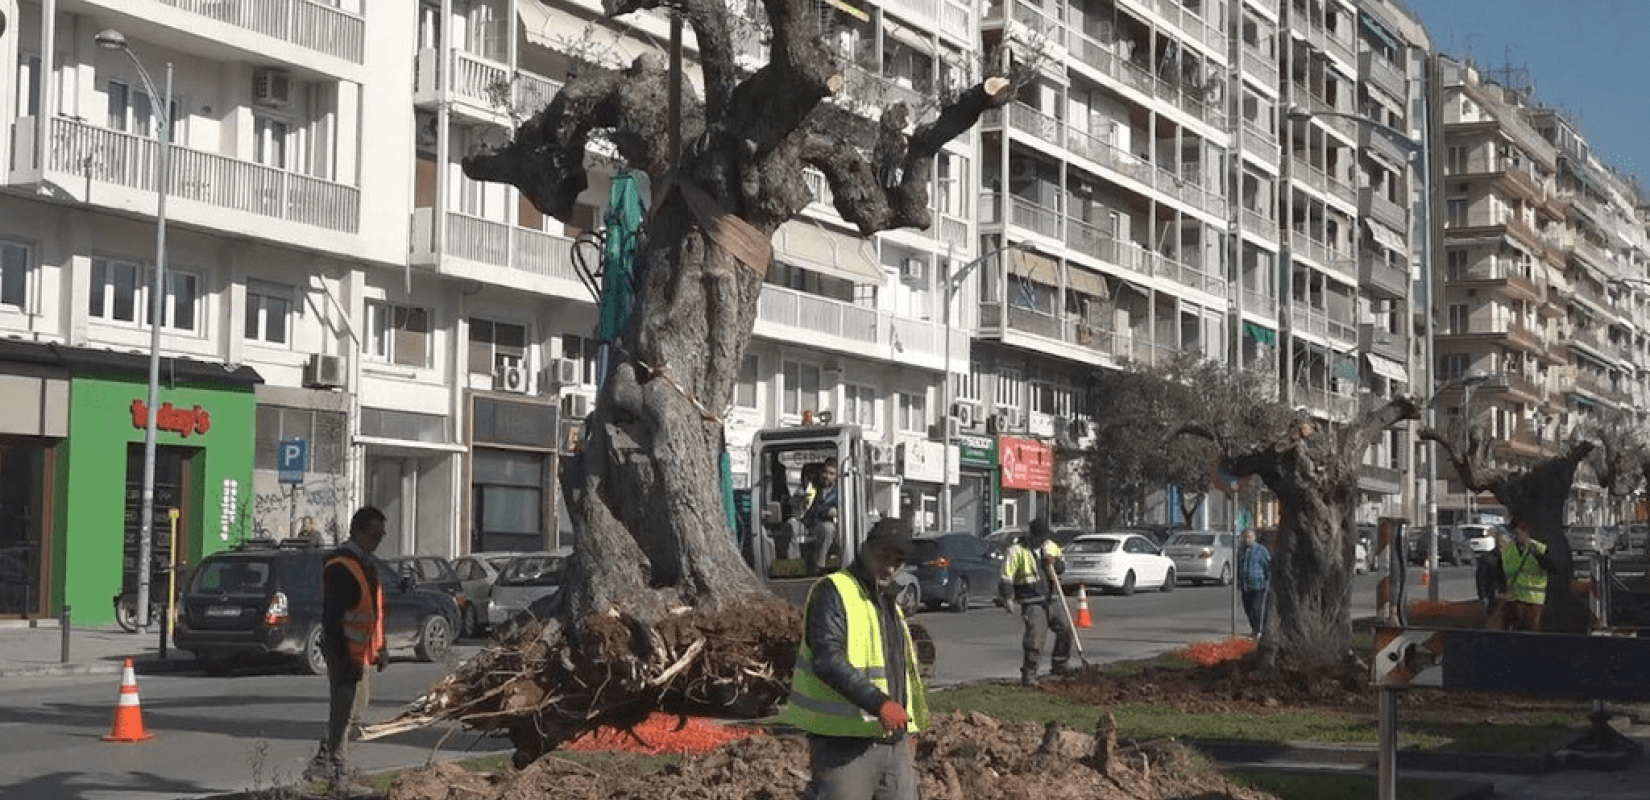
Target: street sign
(294, 458)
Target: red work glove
(892, 716)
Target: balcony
(472, 247)
(1384, 74)
(1373, 203)
(116, 169)
(1328, 404)
(310, 24)
(1504, 278)
(1262, 66)
(1259, 224)
(1383, 343)
(1377, 274)
(1264, 305)
(1514, 383)
(1191, 23)
(1383, 143)
(1316, 322)
(791, 316)
(1092, 55)
(484, 88)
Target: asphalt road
(254, 729)
(258, 728)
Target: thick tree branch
(1469, 462)
(1360, 435)
(712, 34)
(892, 192)
(546, 158)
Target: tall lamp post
(952, 282)
(114, 40)
(1416, 148)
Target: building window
(398, 334)
(744, 392)
(913, 412)
(496, 345)
(14, 275)
(268, 310)
(131, 110)
(117, 293)
(326, 432)
(1010, 386)
(270, 138)
(507, 490)
(28, 84)
(1457, 318)
(1453, 366)
(1455, 159)
(1455, 212)
(584, 352)
(1455, 264)
(860, 406)
(802, 382)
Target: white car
(1480, 538)
(524, 579)
(1117, 562)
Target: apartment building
(1542, 322)
(334, 278)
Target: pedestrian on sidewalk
(1254, 581)
(352, 639)
(856, 690)
(1030, 577)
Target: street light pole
(114, 40)
(953, 281)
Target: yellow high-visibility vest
(817, 708)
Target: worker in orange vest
(352, 638)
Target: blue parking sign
(294, 460)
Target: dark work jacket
(340, 593)
(826, 629)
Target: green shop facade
(71, 472)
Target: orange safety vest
(363, 622)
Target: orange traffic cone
(1426, 577)
(1083, 618)
(128, 714)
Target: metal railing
(128, 160)
(1382, 73)
(308, 24)
(1375, 204)
(1260, 65)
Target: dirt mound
(964, 756)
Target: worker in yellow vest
(1524, 563)
(1030, 578)
(352, 639)
(856, 690)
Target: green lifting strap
(624, 232)
(728, 504)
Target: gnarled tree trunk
(658, 609)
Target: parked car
(1480, 537)
(1004, 538)
(1360, 557)
(1452, 546)
(1156, 534)
(523, 580)
(1119, 561)
(436, 573)
(266, 601)
(1203, 556)
(954, 568)
(476, 573)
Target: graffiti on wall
(321, 505)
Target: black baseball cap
(891, 534)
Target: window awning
(1031, 266)
(1387, 368)
(1387, 237)
(812, 247)
(537, 23)
(1261, 334)
(1089, 283)
(1379, 30)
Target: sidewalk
(36, 650)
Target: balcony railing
(1193, 24)
(1384, 74)
(1317, 322)
(855, 326)
(1257, 303)
(128, 160)
(1257, 223)
(1378, 273)
(1262, 66)
(1375, 204)
(491, 85)
(1094, 55)
(1383, 343)
(308, 24)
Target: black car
(1453, 547)
(437, 573)
(263, 600)
(953, 567)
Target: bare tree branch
(546, 158)
(1361, 434)
(712, 33)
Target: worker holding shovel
(1030, 586)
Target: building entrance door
(172, 490)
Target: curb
(1450, 788)
(1260, 754)
(144, 666)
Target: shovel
(1071, 624)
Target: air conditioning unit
(575, 406)
(271, 87)
(563, 372)
(965, 414)
(996, 423)
(324, 372)
(511, 378)
(911, 270)
(1009, 419)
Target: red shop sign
(181, 421)
(1027, 464)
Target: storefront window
(507, 499)
(22, 553)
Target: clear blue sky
(1590, 58)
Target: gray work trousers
(1040, 618)
(849, 768)
(347, 700)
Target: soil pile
(963, 757)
